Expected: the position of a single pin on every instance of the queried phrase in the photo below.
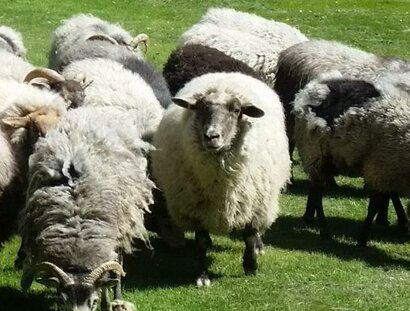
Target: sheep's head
(78, 291)
(217, 116)
(72, 90)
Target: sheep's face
(217, 116)
(79, 298)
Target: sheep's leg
(203, 242)
(119, 304)
(259, 245)
(382, 215)
(309, 215)
(105, 304)
(21, 255)
(250, 263)
(402, 220)
(376, 200)
(117, 287)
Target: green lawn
(299, 270)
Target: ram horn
(49, 74)
(141, 38)
(105, 267)
(63, 277)
(102, 37)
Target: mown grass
(299, 271)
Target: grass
(299, 270)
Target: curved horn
(141, 38)
(55, 271)
(102, 37)
(51, 75)
(99, 271)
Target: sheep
(355, 127)
(114, 86)
(25, 113)
(221, 160)
(306, 61)
(87, 196)
(82, 27)
(193, 60)
(85, 36)
(12, 55)
(11, 41)
(246, 37)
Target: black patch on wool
(194, 60)
(344, 94)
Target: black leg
(250, 263)
(203, 242)
(105, 303)
(309, 215)
(376, 201)
(382, 215)
(402, 220)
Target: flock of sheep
(106, 148)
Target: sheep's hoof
(361, 242)
(203, 281)
(309, 221)
(382, 222)
(121, 305)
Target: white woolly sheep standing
(221, 160)
(25, 113)
(306, 61)
(355, 127)
(87, 196)
(246, 37)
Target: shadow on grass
(290, 233)
(300, 187)
(13, 299)
(164, 267)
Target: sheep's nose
(211, 135)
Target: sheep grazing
(25, 114)
(193, 60)
(246, 37)
(355, 127)
(87, 196)
(222, 160)
(85, 36)
(306, 61)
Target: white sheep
(12, 41)
(246, 37)
(87, 196)
(221, 160)
(357, 127)
(25, 113)
(110, 84)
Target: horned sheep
(246, 37)
(221, 160)
(87, 196)
(86, 36)
(355, 127)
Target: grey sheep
(358, 128)
(87, 196)
(306, 61)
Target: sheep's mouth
(212, 146)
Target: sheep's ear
(16, 122)
(252, 111)
(184, 102)
(42, 120)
